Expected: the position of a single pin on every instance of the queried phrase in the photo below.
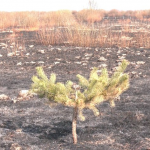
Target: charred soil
(32, 125)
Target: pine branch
(52, 78)
(93, 74)
(41, 74)
(93, 91)
(83, 81)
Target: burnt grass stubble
(31, 124)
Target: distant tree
(92, 4)
(88, 93)
(92, 8)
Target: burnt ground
(32, 125)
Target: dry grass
(35, 19)
(18, 19)
(101, 36)
(88, 27)
(15, 46)
(27, 20)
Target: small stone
(103, 65)
(26, 62)
(13, 43)
(50, 66)
(78, 47)
(88, 55)
(3, 44)
(14, 100)
(88, 48)
(41, 51)
(27, 54)
(102, 59)
(52, 49)
(77, 62)
(84, 64)
(59, 49)
(87, 58)
(23, 93)
(78, 57)
(96, 49)
(119, 52)
(140, 62)
(15, 146)
(56, 62)
(1, 55)
(20, 47)
(121, 57)
(10, 54)
(19, 130)
(31, 46)
(4, 97)
(58, 59)
(32, 62)
(40, 62)
(19, 64)
(138, 53)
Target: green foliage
(97, 89)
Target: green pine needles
(88, 93)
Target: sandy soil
(32, 125)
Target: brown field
(87, 28)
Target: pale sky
(50, 5)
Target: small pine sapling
(85, 94)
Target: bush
(88, 93)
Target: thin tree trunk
(74, 124)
